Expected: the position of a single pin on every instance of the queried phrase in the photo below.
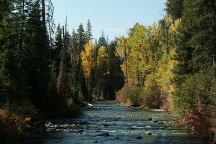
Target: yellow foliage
(174, 26)
(87, 58)
(101, 55)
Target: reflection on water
(109, 123)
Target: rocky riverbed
(109, 123)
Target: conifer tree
(89, 31)
(174, 8)
(36, 57)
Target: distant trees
(101, 69)
(83, 70)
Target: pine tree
(196, 48)
(57, 49)
(89, 31)
(102, 41)
(81, 38)
(36, 57)
(174, 8)
(4, 81)
(81, 41)
(13, 39)
(63, 80)
(115, 79)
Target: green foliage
(151, 94)
(36, 58)
(212, 105)
(70, 103)
(129, 96)
(81, 98)
(195, 91)
(106, 74)
(174, 8)
(148, 61)
(134, 97)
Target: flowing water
(109, 123)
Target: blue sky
(113, 17)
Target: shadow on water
(109, 123)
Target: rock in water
(148, 127)
(88, 104)
(139, 137)
(106, 134)
(148, 133)
(150, 119)
(155, 121)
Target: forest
(48, 72)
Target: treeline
(84, 70)
(171, 65)
(42, 78)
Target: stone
(150, 119)
(105, 134)
(155, 121)
(161, 123)
(139, 137)
(148, 133)
(148, 127)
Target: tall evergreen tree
(89, 31)
(36, 57)
(13, 39)
(57, 49)
(115, 78)
(174, 8)
(81, 41)
(196, 44)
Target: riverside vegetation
(168, 65)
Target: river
(109, 123)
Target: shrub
(151, 93)
(134, 97)
(194, 92)
(128, 96)
(13, 124)
(71, 109)
(122, 94)
(193, 101)
(81, 98)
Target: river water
(109, 123)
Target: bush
(13, 123)
(151, 93)
(149, 96)
(71, 109)
(128, 96)
(81, 98)
(122, 94)
(212, 106)
(193, 100)
(194, 92)
(134, 97)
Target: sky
(111, 17)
